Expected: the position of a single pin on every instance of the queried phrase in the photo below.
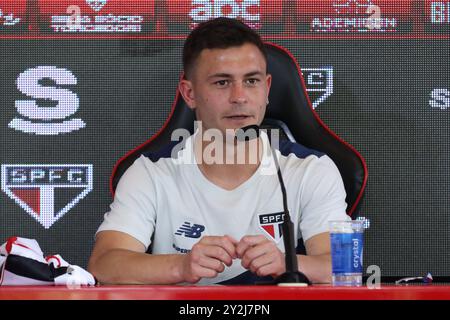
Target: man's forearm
(121, 266)
(316, 268)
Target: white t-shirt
(168, 202)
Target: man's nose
(238, 94)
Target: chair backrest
(289, 110)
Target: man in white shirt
(219, 221)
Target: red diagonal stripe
(31, 196)
(270, 230)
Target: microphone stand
(292, 274)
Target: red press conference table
(319, 292)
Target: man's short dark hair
(219, 33)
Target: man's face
(228, 88)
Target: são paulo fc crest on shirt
(270, 223)
(47, 192)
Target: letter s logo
(440, 98)
(68, 102)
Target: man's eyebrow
(254, 73)
(220, 75)
(226, 75)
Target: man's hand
(207, 258)
(261, 256)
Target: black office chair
(289, 110)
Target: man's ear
(186, 90)
(268, 82)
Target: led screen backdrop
(83, 82)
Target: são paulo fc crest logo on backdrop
(96, 5)
(271, 224)
(319, 84)
(47, 192)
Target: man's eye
(252, 81)
(221, 83)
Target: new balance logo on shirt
(194, 231)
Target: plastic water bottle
(347, 244)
